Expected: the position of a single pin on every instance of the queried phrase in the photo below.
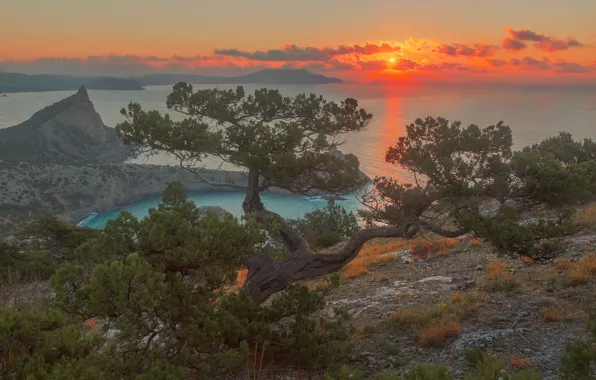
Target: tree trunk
(252, 202)
(266, 277)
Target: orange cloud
(477, 50)
(297, 53)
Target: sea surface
(533, 114)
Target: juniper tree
(288, 143)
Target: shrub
(327, 227)
(488, 367)
(427, 372)
(344, 372)
(542, 240)
(580, 356)
(437, 333)
(165, 289)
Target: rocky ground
(522, 312)
(528, 312)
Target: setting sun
(392, 60)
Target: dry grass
(503, 283)
(474, 243)
(90, 324)
(241, 278)
(496, 269)
(378, 250)
(519, 363)
(583, 271)
(554, 314)
(564, 265)
(586, 216)
(438, 333)
(420, 318)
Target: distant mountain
(14, 82)
(69, 131)
(268, 76)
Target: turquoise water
(285, 205)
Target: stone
(484, 339)
(441, 279)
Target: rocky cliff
(69, 131)
(29, 190)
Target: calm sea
(533, 114)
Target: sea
(532, 113)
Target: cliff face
(69, 131)
(29, 190)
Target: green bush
(580, 356)
(164, 288)
(326, 227)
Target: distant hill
(268, 76)
(14, 82)
(69, 131)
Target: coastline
(74, 193)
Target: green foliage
(164, 290)
(455, 167)
(344, 372)
(387, 375)
(488, 367)
(59, 238)
(540, 240)
(326, 227)
(286, 141)
(425, 372)
(580, 356)
(42, 344)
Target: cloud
(497, 62)
(541, 42)
(572, 67)
(297, 53)
(513, 45)
(529, 63)
(477, 50)
(333, 65)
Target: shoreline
(270, 191)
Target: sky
(403, 41)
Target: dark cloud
(295, 53)
(477, 50)
(513, 45)
(333, 65)
(405, 65)
(529, 63)
(541, 41)
(572, 67)
(497, 62)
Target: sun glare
(391, 60)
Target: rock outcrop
(67, 132)
(29, 190)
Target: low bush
(326, 227)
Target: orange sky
(382, 40)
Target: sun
(391, 60)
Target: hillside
(268, 76)
(67, 131)
(15, 82)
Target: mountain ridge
(68, 131)
(16, 82)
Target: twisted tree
(288, 143)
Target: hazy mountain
(69, 131)
(268, 76)
(14, 82)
